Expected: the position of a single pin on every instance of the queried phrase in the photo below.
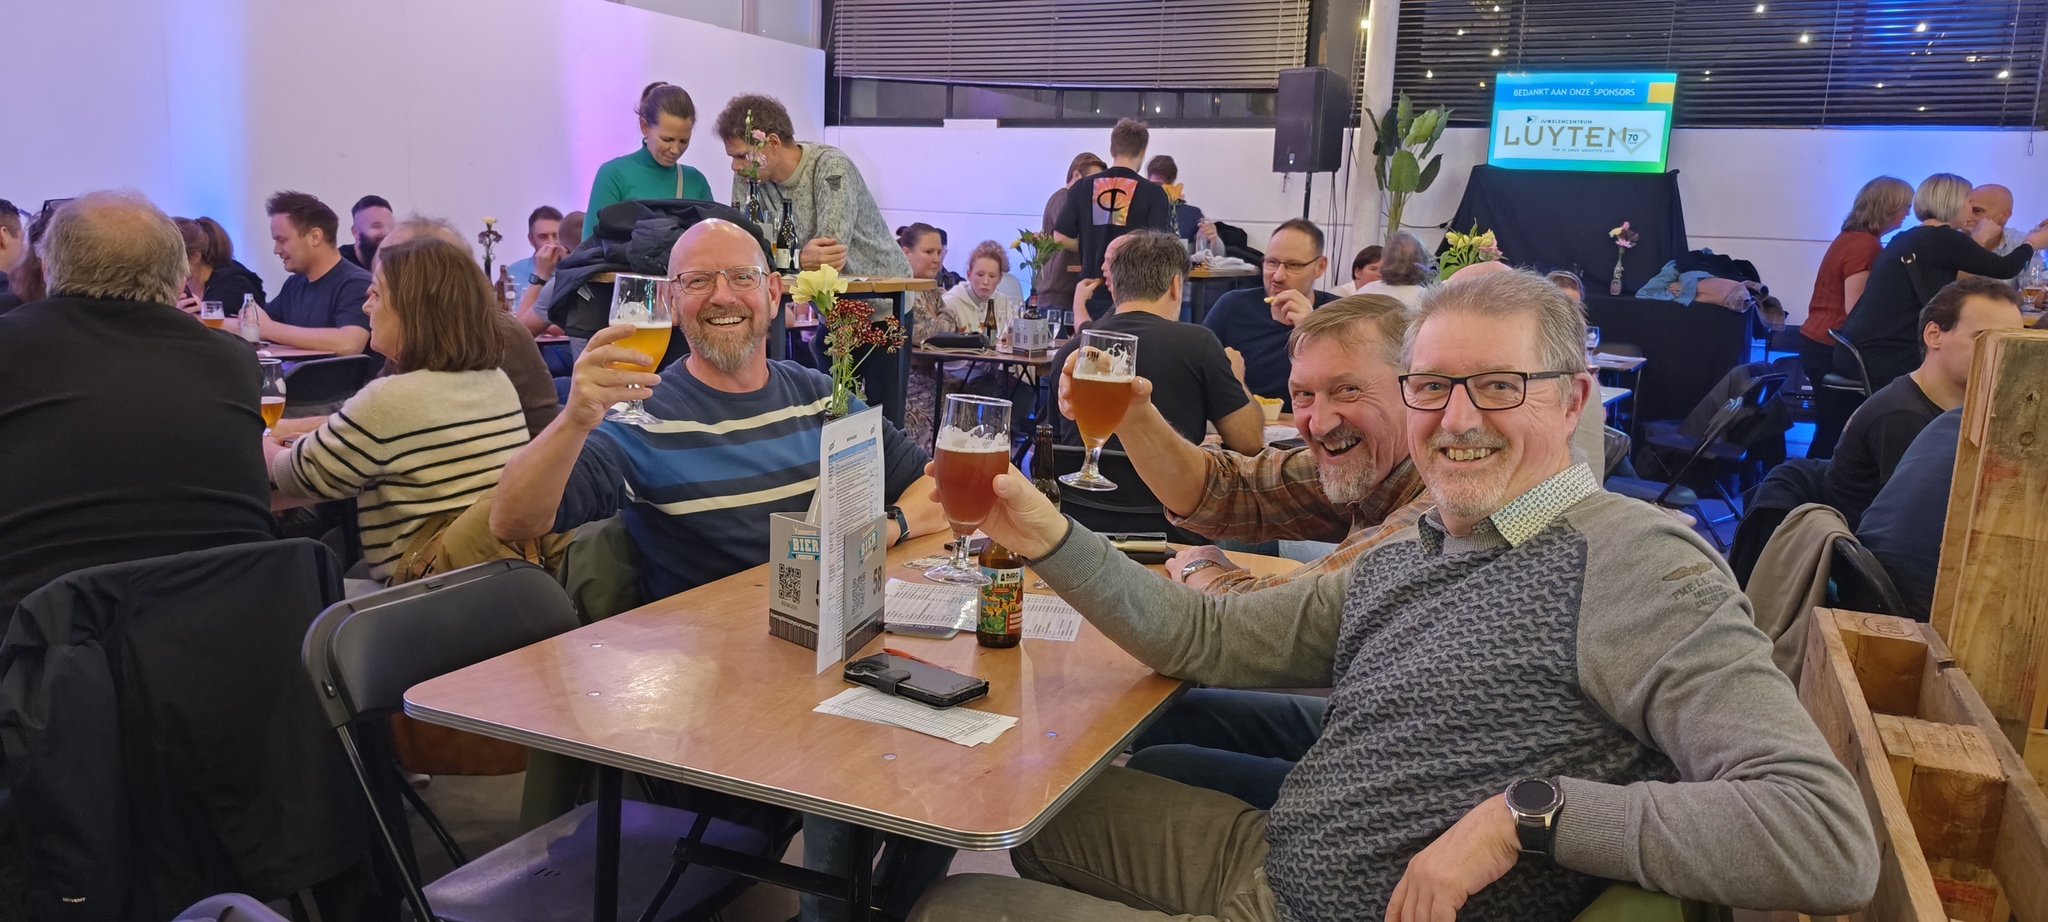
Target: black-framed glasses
(1291, 266)
(702, 281)
(1491, 390)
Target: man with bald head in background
(1990, 208)
(128, 430)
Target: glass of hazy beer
(271, 397)
(1100, 394)
(973, 447)
(641, 300)
(211, 314)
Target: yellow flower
(817, 286)
(1173, 191)
(1015, 244)
(1486, 239)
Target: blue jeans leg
(912, 867)
(1241, 743)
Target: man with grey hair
(1533, 635)
(127, 429)
(1404, 269)
(1191, 377)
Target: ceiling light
(1804, 38)
(1923, 108)
(1496, 52)
(1496, 7)
(1880, 86)
(1920, 28)
(1365, 23)
(2004, 74)
(1759, 7)
(1461, 32)
(1429, 75)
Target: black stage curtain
(1690, 347)
(1556, 219)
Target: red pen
(895, 652)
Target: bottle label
(1002, 602)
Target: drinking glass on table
(1107, 364)
(973, 447)
(1592, 339)
(641, 300)
(212, 314)
(272, 393)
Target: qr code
(789, 586)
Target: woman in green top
(652, 172)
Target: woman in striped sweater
(431, 439)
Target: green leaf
(1404, 173)
(1379, 172)
(1429, 176)
(1407, 111)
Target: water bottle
(252, 325)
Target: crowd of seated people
(1450, 452)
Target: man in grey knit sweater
(1532, 631)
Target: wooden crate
(1962, 826)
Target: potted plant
(1401, 141)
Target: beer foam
(1117, 376)
(969, 443)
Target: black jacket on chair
(632, 236)
(158, 740)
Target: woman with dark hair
(655, 171)
(922, 245)
(215, 276)
(1365, 270)
(1884, 323)
(431, 438)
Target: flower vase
(1614, 286)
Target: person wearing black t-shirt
(370, 220)
(127, 429)
(1885, 425)
(1257, 321)
(1192, 384)
(321, 305)
(1920, 260)
(1109, 204)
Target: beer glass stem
(960, 548)
(1094, 455)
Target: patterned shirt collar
(1528, 514)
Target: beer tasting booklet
(1045, 616)
(848, 500)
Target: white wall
(452, 108)
(980, 182)
(1774, 197)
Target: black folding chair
(1129, 509)
(324, 383)
(364, 653)
(1724, 438)
(1860, 581)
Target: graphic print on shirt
(1112, 200)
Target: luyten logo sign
(1600, 122)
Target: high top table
(693, 689)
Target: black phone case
(920, 682)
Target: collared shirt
(1527, 514)
(1278, 493)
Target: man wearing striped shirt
(738, 437)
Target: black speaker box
(1309, 122)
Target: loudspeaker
(1309, 122)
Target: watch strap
(1192, 568)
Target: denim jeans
(912, 867)
(1241, 743)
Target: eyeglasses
(1272, 264)
(701, 282)
(1492, 390)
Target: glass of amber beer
(212, 314)
(641, 300)
(973, 447)
(272, 394)
(1100, 394)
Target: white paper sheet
(961, 725)
(1045, 616)
(850, 488)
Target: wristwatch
(1193, 567)
(532, 279)
(1534, 803)
(902, 522)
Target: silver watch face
(1534, 797)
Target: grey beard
(1342, 490)
(728, 357)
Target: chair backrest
(1861, 583)
(1744, 406)
(1862, 370)
(362, 654)
(1756, 405)
(327, 380)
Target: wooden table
(693, 689)
(270, 350)
(551, 339)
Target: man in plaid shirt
(1352, 483)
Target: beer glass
(641, 300)
(973, 447)
(211, 314)
(1100, 394)
(272, 393)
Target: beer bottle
(786, 244)
(988, 323)
(755, 210)
(1002, 601)
(1041, 464)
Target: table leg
(861, 875)
(609, 799)
(903, 317)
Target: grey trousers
(1131, 847)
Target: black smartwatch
(532, 279)
(1534, 803)
(902, 522)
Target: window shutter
(1744, 63)
(1193, 44)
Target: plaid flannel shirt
(1278, 493)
